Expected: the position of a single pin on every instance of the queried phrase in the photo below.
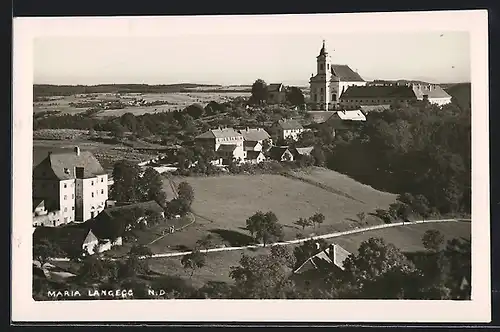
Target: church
(330, 82)
(337, 87)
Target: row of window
(224, 139)
(66, 209)
(73, 196)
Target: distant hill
(461, 92)
(46, 90)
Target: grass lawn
(223, 203)
(217, 266)
(407, 238)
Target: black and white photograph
(208, 164)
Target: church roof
(398, 91)
(220, 133)
(254, 134)
(274, 87)
(345, 73)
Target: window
(321, 66)
(65, 219)
(92, 194)
(79, 172)
(65, 197)
(321, 90)
(65, 185)
(91, 183)
(72, 208)
(102, 179)
(72, 196)
(102, 191)
(65, 209)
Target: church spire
(323, 49)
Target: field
(107, 154)
(406, 238)
(222, 204)
(174, 101)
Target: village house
(276, 93)
(288, 128)
(226, 142)
(251, 136)
(72, 239)
(255, 157)
(280, 153)
(43, 217)
(332, 257)
(299, 153)
(73, 183)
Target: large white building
(330, 81)
(73, 187)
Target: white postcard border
(24, 308)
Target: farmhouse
(255, 157)
(280, 153)
(332, 257)
(73, 183)
(226, 142)
(255, 135)
(72, 239)
(330, 82)
(276, 93)
(301, 152)
(354, 115)
(288, 128)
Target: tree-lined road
(324, 236)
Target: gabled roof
(320, 116)
(220, 133)
(345, 73)
(394, 91)
(227, 147)
(274, 87)
(152, 206)
(289, 124)
(38, 202)
(304, 151)
(69, 238)
(252, 155)
(62, 166)
(354, 115)
(276, 152)
(333, 256)
(254, 134)
(432, 91)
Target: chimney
(77, 150)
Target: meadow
(222, 205)
(174, 101)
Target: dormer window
(66, 171)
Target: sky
(229, 58)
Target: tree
(96, 269)
(185, 192)
(384, 215)
(303, 222)
(137, 261)
(400, 210)
(43, 250)
(205, 242)
(215, 290)
(376, 261)
(295, 96)
(432, 240)
(193, 261)
(317, 218)
(264, 276)
(421, 206)
(265, 227)
(151, 187)
(195, 110)
(117, 130)
(266, 145)
(259, 91)
(308, 249)
(126, 182)
(361, 216)
(319, 156)
(176, 207)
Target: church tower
(320, 83)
